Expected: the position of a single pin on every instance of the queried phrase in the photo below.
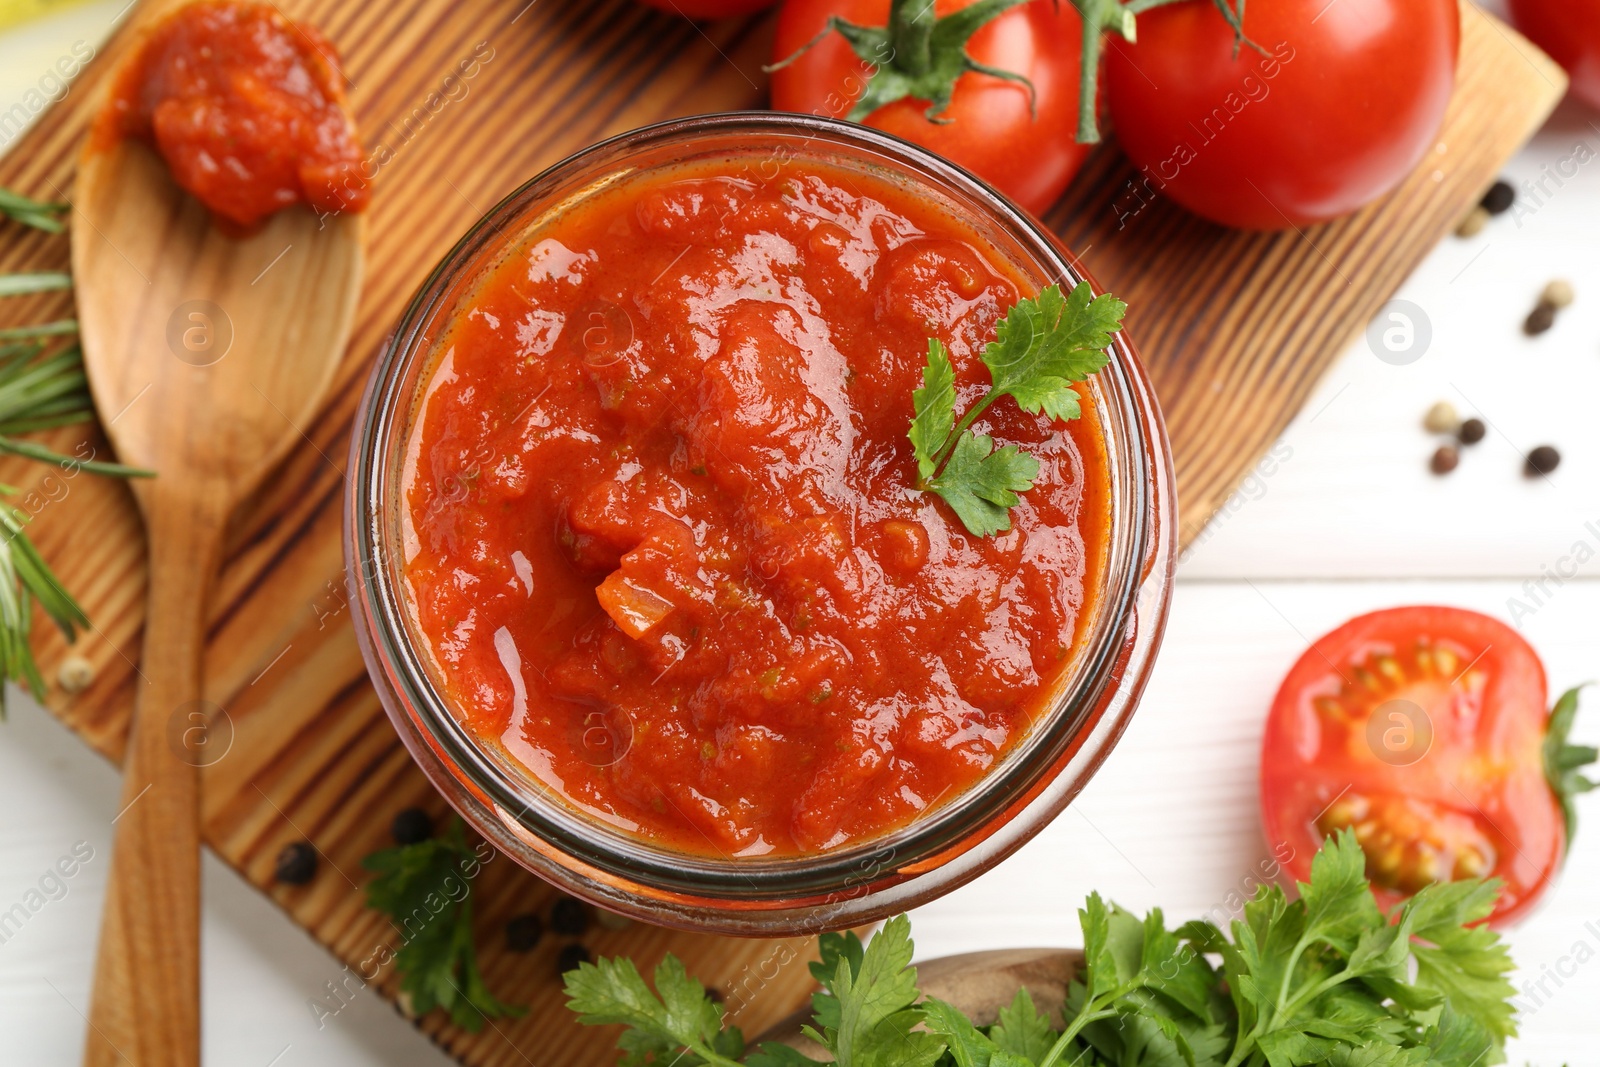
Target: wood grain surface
(460, 105)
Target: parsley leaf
(1468, 964)
(981, 482)
(1042, 346)
(1021, 1031)
(1338, 902)
(934, 403)
(876, 1017)
(425, 890)
(676, 1024)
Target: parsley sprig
(426, 890)
(1324, 979)
(1042, 347)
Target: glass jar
(940, 849)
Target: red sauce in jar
(659, 531)
(247, 108)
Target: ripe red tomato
(1570, 31)
(1422, 728)
(1347, 100)
(987, 128)
(708, 10)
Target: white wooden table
(1348, 520)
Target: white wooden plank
(1172, 819)
(260, 972)
(1348, 493)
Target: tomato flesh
(247, 109)
(1420, 729)
(665, 549)
(1340, 103)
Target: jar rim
(580, 851)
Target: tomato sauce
(659, 527)
(247, 108)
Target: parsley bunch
(1325, 979)
(426, 890)
(1041, 348)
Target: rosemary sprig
(36, 213)
(39, 281)
(25, 578)
(58, 328)
(41, 393)
(41, 387)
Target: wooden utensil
(205, 354)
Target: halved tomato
(1425, 730)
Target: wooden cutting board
(1236, 329)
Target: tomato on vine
(1570, 31)
(991, 85)
(1296, 112)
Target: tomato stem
(917, 54)
(1119, 17)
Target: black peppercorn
(411, 827)
(569, 917)
(297, 863)
(1444, 461)
(1499, 198)
(1542, 460)
(1472, 431)
(1540, 319)
(523, 932)
(570, 956)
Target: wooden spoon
(207, 356)
(979, 983)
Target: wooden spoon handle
(145, 1009)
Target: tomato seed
(1542, 460)
(1444, 460)
(1472, 431)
